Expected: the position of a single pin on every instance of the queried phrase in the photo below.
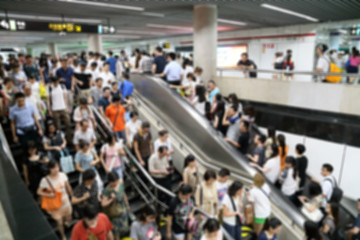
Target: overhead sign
(19, 25)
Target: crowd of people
(42, 97)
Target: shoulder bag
(53, 203)
(191, 224)
(114, 209)
(116, 117)
(237, 217)
(66, 163)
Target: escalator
(193, 133)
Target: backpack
(337, 193)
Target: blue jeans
(122, 135)
(234, 231)
(119, 171)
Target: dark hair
(200, 92)
(300, 148)
(312, 230)
(314, 189)
(234, 107)
(246, 125)
(116, 98)
(163, 132)
(272, 133)
(234, 187)
(145, 125)
(89, 174)
(106, 89)
(94, 64)
(110, 53)
(7, 80)
(113, 177)
(220, 107)
(249, 110)
(31, 145)
(185, 189)
(114, 83)
(83, 121)
(126, 76)
(198, 70)
(211, 225)
(162, 149)
(209, 174)
(110, 138)
(106, 63)
(224, 172)
(328, 167)
(90, 211)
(159, 49)
(133, 114)
(51, 165)
(83, 100)
(262, 138)
(282, 144)
(234, 99)
(245, 54)
(172, 55)
(186, 62)
(189, 158)
(291, 160)
(98, 79)
(148, 210)
(83, 143)
(19, 95)
(274, 150)
(272, 223)
(323, 47)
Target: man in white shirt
(107, 76)
(328, 183)
(93, 70)
(57, 106)
(145, 64)
(37, 104)
(132, 127)
(172, 71)
(84, 133)
(323, 62)
(222, 183)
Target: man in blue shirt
(112, 61)
(104, 101)
(66, 76)
(159, 62)
(213, 90)
(172, 71)
(126, 87)
(24, 121)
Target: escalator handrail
(278, 199)
(6, 148)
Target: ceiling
(134, 24)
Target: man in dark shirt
(104, 101)
(143, 144)
(243, 141)
(30, 68)
(66, 76)
(159, 62)
(258, 155)
(301, 163)
(246, 64)
(84, 80)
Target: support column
(205, 39)
(52, 49)
(95, 43)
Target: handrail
(6, 148)
(288, 72)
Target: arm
(96, 159)
(105, 201)
(151, 147)
(26, 174)
(41, 192)
(126, 202)
(262, 169)
(235, 143)
(103, 162)
(216, 122)
(50, 148)
(37, 125)
(77, 200)
(227, 213)
(137, 153)
(13, 131)
(48, 106)
(68, 189)
(254, 158)
(225, 122)
(92, 144)
(185, 177)
(78, 167)
(153, 69)
(168, 226)
(110, 236)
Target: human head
(106, 66)
(113, 179)
(8, 82)
(63, 62)
(272, 133)
(51, 128)
(274, 150)
(53, 167)
(259, 180)
(233, 98)
(111, 139)
(145, 127)
(84, 145)
(90, 216)
(116, 99)
(260, 139)
(235, 189)
(191, 77)
(32, 78)
(110, 53)
(273, 225)
(20, 99)
(93, 66)
(190, 161)
(211, 228)
(312, 230)
(185, 192)
(326, 169)
(114, 86)
(123, 53)
(232, 110)
(158, 51)
(171, 57)
(99, 82)
(290, 162)
(106, 92)
(333, 209)
(300, 149)
(21, 57)
(148, 214)
(83, 66)
(16, 67)
(83, 102)
(27, 89)
(314, 189)
(210, 177)
(211, 85)
(244, 57)
(244, 126)
(84, 124)
(88, 177)
(223, 175)
(162, 151)
(163, 134)
(134, 116)
(321, 49)
(28, 59)
(198, 71)
(31, 147)
(289, 52)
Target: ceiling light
(120, 36)
(102, 4)
(231, 22)
(152, 14)
(283, 10)
(168, 26)
(140, 32)
(48, 18)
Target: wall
(310, 95)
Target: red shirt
(100, 231)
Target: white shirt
(327, 186)
(33, 101)
(259, 197)
(133, 128)
(219, 235)
(199, 106)
(324, 64)
(94, 74)
(88, 136)
(273, 164)
(106, 77)
(57, 101)
(173, 71)
(289, 184)
(186, 71)
(35, 90)
(227, 202)
(221, 189)
(167, 144)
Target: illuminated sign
(228, 56)
(19, 25)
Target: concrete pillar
(52, 49)
(95, 43)
(205, 39)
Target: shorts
(179, 235)
(259, 220)
(64, 211)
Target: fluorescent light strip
(221, 20)
(120, 36)
(283, 10)
(48, 18)
(152, 14)
(102, 4)
(168, 27)
(140, 32)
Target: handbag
(249, 214)
(314, 216)
(191, 224)
(66, 163)
(53, 203)
(115, 209)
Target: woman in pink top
(110, 156)
(354, 63)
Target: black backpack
(337, 193)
